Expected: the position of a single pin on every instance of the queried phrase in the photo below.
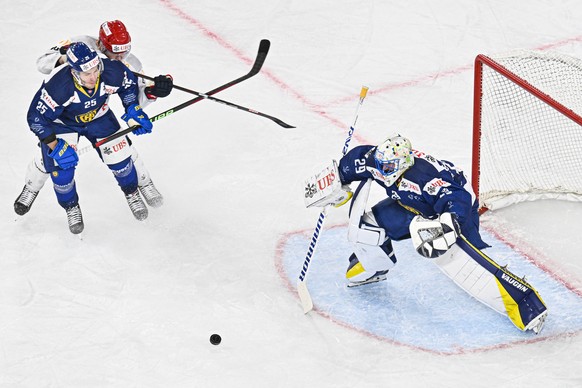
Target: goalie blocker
(479, 275)
(325, 188)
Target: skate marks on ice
(418, 306)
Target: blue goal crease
(418, 305)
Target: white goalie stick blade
(303, 292)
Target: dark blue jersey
(62, 105)
(429, 188)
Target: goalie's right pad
(494, 285)
(325, 188)
(432, 238)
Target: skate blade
(374, 279)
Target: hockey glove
(65, 156)
(63, 49)
(162, 87)
(136, 116)
(432, 238)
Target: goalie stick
(302, 290)
(257, 65)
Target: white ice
(133, 304)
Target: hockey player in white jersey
(113, 42)
(430, 201)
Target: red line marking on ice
(320, 109)
(315, 108)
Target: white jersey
(47, 62)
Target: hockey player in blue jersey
(431, 202)
(73, 102)
(415, 184)
(113, 42)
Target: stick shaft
(304, 295)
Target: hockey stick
(259, 61)
(302, 290)
(232, 105)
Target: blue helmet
(81, 58)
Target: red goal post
(527, 128)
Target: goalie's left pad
(432, 238)
(494, 285)
(325, 188)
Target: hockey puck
(215, 339)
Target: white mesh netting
(528, 149)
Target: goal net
(527, 133)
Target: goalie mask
(393, 157)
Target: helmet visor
(388, 167)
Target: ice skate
(151, 195)
(356, 268)
(24, 201)
(75, 219)
(537, 324)
(137, 206)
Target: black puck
(215, 339)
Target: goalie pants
(395, 220)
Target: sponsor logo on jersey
(48, 100)
(86, 117)
(434, 185)
(406, 185)
(106, 89)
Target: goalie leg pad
(373, 251)
(493, 285)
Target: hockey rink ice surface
(133, 304)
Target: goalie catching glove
(432, 238)
(325, 188)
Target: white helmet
(393, 157)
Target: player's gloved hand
(162, 87)
(63, 49)
(65, 156)
(136, 116)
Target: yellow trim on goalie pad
(350, 195)
(473, 271)
(511, 306)
(355, 271)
